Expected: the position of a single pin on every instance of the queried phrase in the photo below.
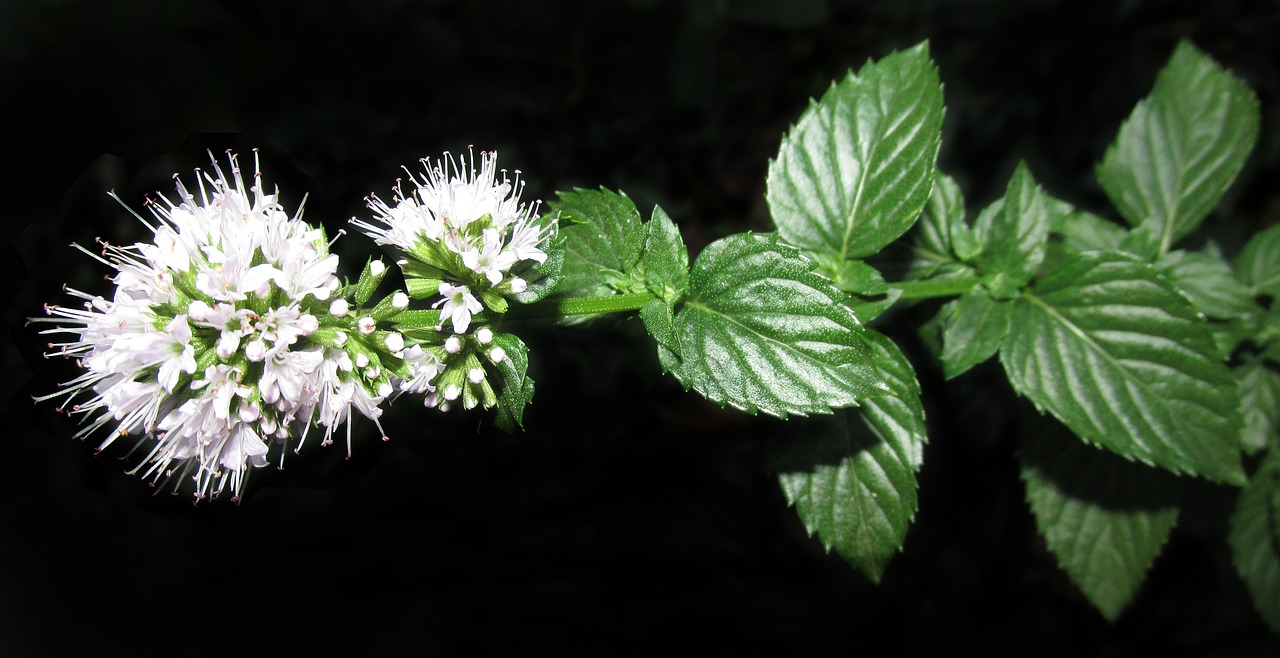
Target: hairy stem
(565, 306)
(556, 307)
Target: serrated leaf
(603, 239)
(1260, 405)
(1084, 231)
(659, 320)
(974, 327)
(1013, 237)
(1110, 349)
(1255, 540)
(1182, 146)
(1207, 279)
(543, 278)
(664, 272)
(1103, 518)
(851, 476)
(1258, 265)
(665, 260)
(516, 390)
(942, 216)
(856, 169)
(761, 331)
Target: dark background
(630, 516)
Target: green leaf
(663, 271)
(516, 389)
(855, 171)
(1260, 405)
(869, 294)
(1255, 540)
(1104, 519)
(851, 476)
(1110, 349)
(665, 260)
(603, 239)
(1013, 238)
(974, 326)
(1258, 264)
(1182, 146)
(1144, 241)
(1084, 231)
(761, 331)
(850, 275)
(659, 321)
(941, 225)
(1207, 279)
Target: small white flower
(497, 355)
(526, 238)
(257, 280)
(199, 311)
(242, 447)
(366, 325)
(249, 412)
(489, 258)
(443, 206)
(425, 367)
(181, 354)
(458, 305)
(228, 343)
(287, 376)
(377, 267)
(453, 344)
(475, 375)
(394, 342)
(339, 308)
(484, 335)
(400, 300)
(256, 350)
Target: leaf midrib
(702, 306)
(1129, 377)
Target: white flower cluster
(218, 339)
(466, 231)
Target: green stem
(931, 288)
(557, 307)
(564, 306)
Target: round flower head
(219, 339)
(462, 226)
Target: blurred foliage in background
(629, 514)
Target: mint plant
(232, 336)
